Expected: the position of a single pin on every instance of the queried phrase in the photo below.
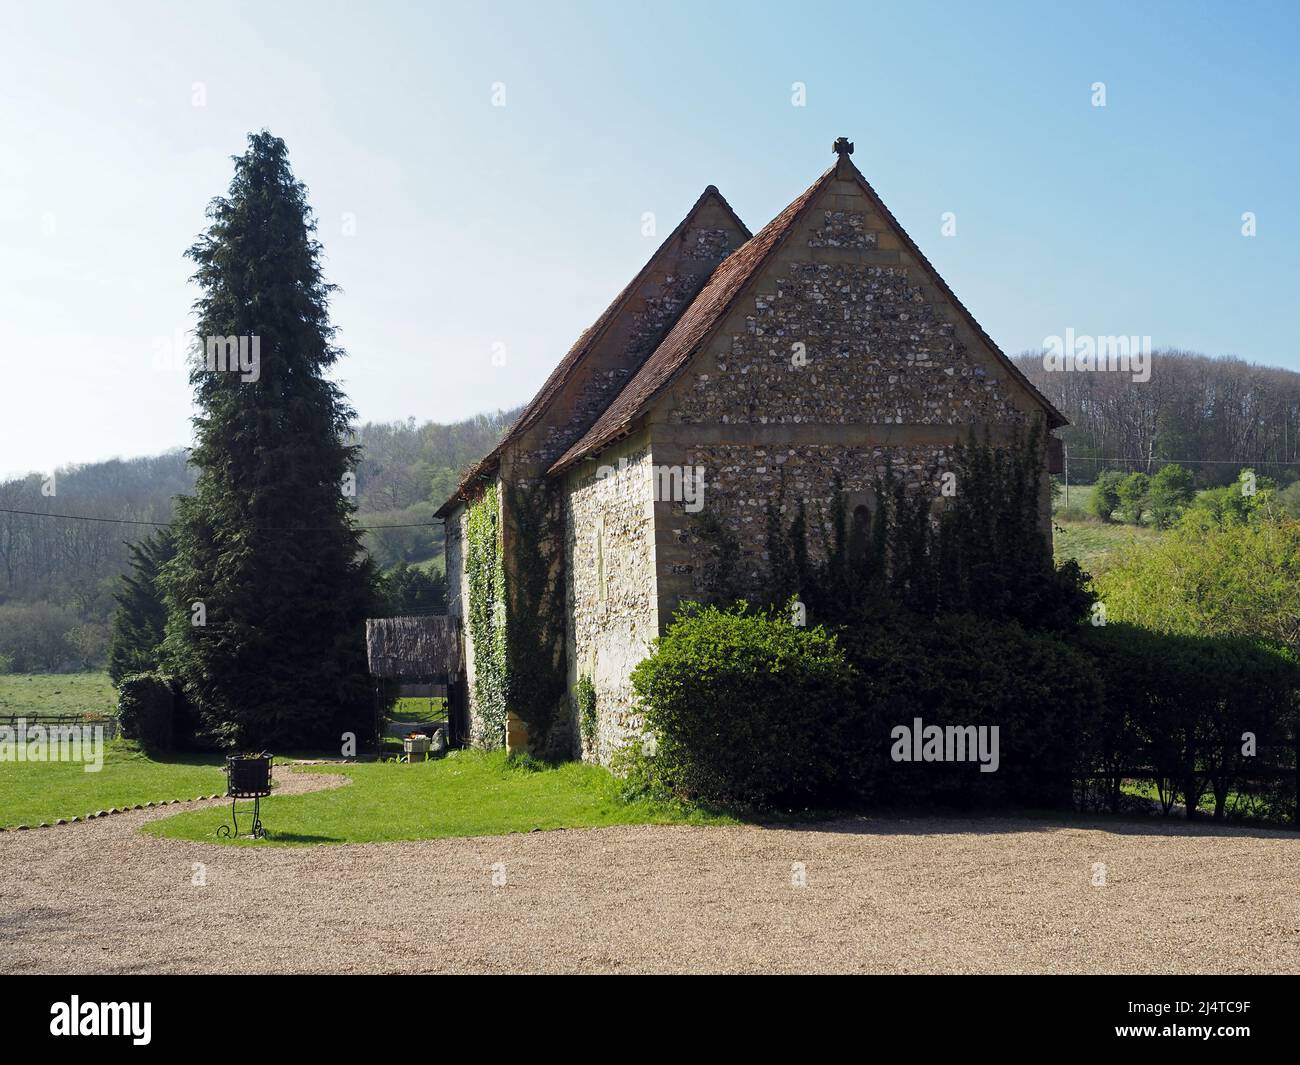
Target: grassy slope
(1093, 543)
(471, 793)
(32, 792)
(42, 694)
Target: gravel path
(917, 895)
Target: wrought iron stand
(247, 777)
(257, 832)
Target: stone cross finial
(842, 147)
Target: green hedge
(1043, 697)
(146, 708)
(744, 706)
(1177, 709)
(747, 707)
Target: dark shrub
(1042, 696)
(744, 705)
(747, 706)
(1178, 707)
(145, 708)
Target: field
(1091, 542)
(424, 711)
(55, 694)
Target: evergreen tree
(409, 590)
(135, 642)
(269, 590)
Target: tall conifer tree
(269, 590)
(138, 623)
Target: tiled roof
(568, 365)
(710, 307)
(698, 320)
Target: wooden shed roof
(416, 646)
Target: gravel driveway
(879, 895)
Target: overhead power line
(168, 524)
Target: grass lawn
(50, 694)
(470, 793)
(419, 709)
(32, 792)
(1093, 543)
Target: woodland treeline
(58, 577)
(1213, 416)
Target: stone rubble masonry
(609, 539)
(672, 279)
(892, 375)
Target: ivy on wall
(587, 719)
(536, 675)
(487, 614)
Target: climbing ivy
(536, 674)
(487, 614)
(984, 553)
(587, 720)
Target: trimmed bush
(1178, 710)
(145, 709)
(956, 671)
(744, 706)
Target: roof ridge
(691, 329)
(651, 380)
(587, 340)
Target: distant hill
(1212, 415)
(60, 576)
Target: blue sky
(477, 225)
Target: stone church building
(734, 369)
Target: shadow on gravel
(938, 823)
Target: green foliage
(746, 707)
(38, 638)
(1289, 500)
(1105, 494)
(139, 624)
(1179, 706)
(986, 553)
(1229, 580)
(1133, 492)
(587, 720)
(1251, 498)
(267, 542)
(961, 670)
(410, 590)
(743, 705)
(487, 613)
(1170, 493)
(535, 665)
(145, 708)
